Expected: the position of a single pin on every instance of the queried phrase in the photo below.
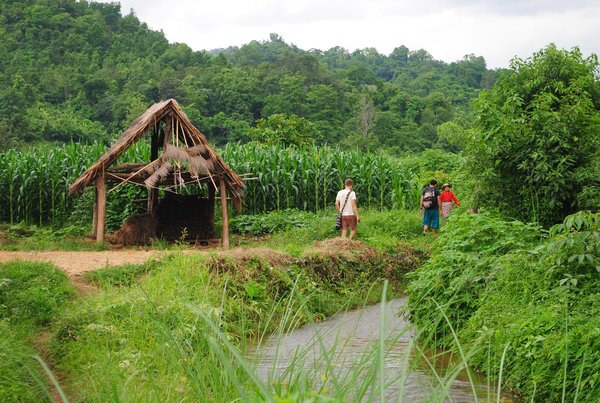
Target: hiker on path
(447, 197)
(430, 200)
(345, 203)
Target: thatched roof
(202, 156)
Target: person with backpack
(431, 202)
(345, 203)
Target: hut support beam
(101, 207)
(224, 214)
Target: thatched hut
(179, 156)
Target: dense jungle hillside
(82, 71)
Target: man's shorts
(349, 221)
(431, 218)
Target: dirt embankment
(75, 263)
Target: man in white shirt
(345, 203)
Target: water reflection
(346, 346)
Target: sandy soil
(75, 263)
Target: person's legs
(344, 226)
(435, 220)
(426, 220)
(352, 224)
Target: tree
(537, 137)
(366, 115)
(288, 130)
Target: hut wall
(176, 213)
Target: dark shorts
(431, 218)
(349, 221)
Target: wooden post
(224, 213)
(101, 213)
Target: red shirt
(448, 197)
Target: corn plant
(35, 182)
(308, 179)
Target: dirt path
(76, 263)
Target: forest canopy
(82, 71)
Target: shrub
(538, 299)
(536, 146)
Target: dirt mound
(137, 230)
(343, 247)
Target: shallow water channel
(346, 347)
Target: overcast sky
(448, 29)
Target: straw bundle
(159, 175)
(199, 149)
(176, 154)
(200, 166)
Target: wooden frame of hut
(186, 159)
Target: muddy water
(347, 344)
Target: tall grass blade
(52, 378)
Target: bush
(536, 146)
(539, 300)
(275, 221)
(463, 263)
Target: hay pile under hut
(180, 156)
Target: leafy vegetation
(309, 179)
(37, 181)
(517, 301)
(530, 303)
(535, 151)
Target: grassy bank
(31, 296)
(524, 303)
(170, 330)
(154, 339)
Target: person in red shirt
(447, 197)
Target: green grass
(508, 298)
(23, 237)
(122, 276)
(31, 296)
(150, 341)
(298, 231)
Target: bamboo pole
(101, 214)
(224, 213)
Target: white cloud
(448, 29)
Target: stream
(347, 346)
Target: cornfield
(35, 182)
(309, 179)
